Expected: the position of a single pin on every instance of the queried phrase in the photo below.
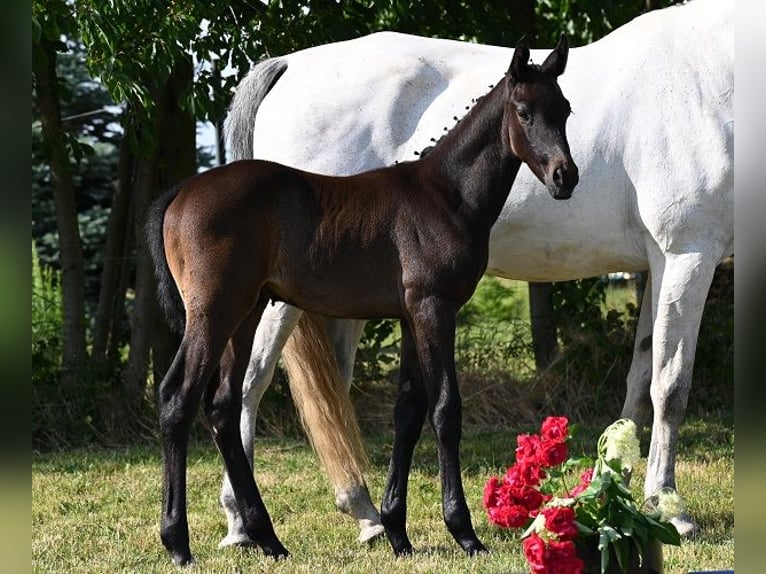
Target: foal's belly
(363, 287)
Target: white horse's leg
(277, 322)
(678, 293)
(354, 500)
(638, 401)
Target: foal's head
(536, 115)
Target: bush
(88, 411)
(47, 322)
(47, 326)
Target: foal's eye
(524, 115)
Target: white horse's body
(652, 133)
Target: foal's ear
(557, 60)
(519, 67)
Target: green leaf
(608, 534)
(37, 30)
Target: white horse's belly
(529, 256)
(538, 238)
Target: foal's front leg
(409, 414)
(433, 327)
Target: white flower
(556, 501)
(669, 504)
(538, 526)
(620, 442)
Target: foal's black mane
(428, 149)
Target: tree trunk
(111, 297)
(178, 140)
(524, 17)
(140, 332)
(70, 244)
(542, 318)
(173, 159)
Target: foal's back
(322, 242)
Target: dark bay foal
(408, 242)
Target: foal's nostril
(574, 176)
(558, 177)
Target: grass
(98, 510)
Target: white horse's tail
(323, 404)
(250, 92)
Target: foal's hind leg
(274, 328)
(179, 394)
(222, 407)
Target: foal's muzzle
(563, 181)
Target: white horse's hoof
(685, 525)
(370, 533)
(241, 540)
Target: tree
(50, 23)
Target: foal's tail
(250, 92)
(168, 294)
(324, 405)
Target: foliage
(495, 299)
(90, 120)
(54, 420)
(47, 321)
(585, 21)
(596, 342)
(378, 350)
(492, 334)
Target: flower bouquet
(598, 516)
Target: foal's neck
(474, 160)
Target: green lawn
(98, 510)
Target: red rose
(551, 452)
(561, 521)
(555, 428)
(585, 478)
(562, 548)
(561, 558)
(527, 473)
(508, 516)
(529, 497)
(491, 492)
(526, 451)
(535, 553)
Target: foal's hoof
(404, 551)
(475, 548)
(182, 560)
(275, 550)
